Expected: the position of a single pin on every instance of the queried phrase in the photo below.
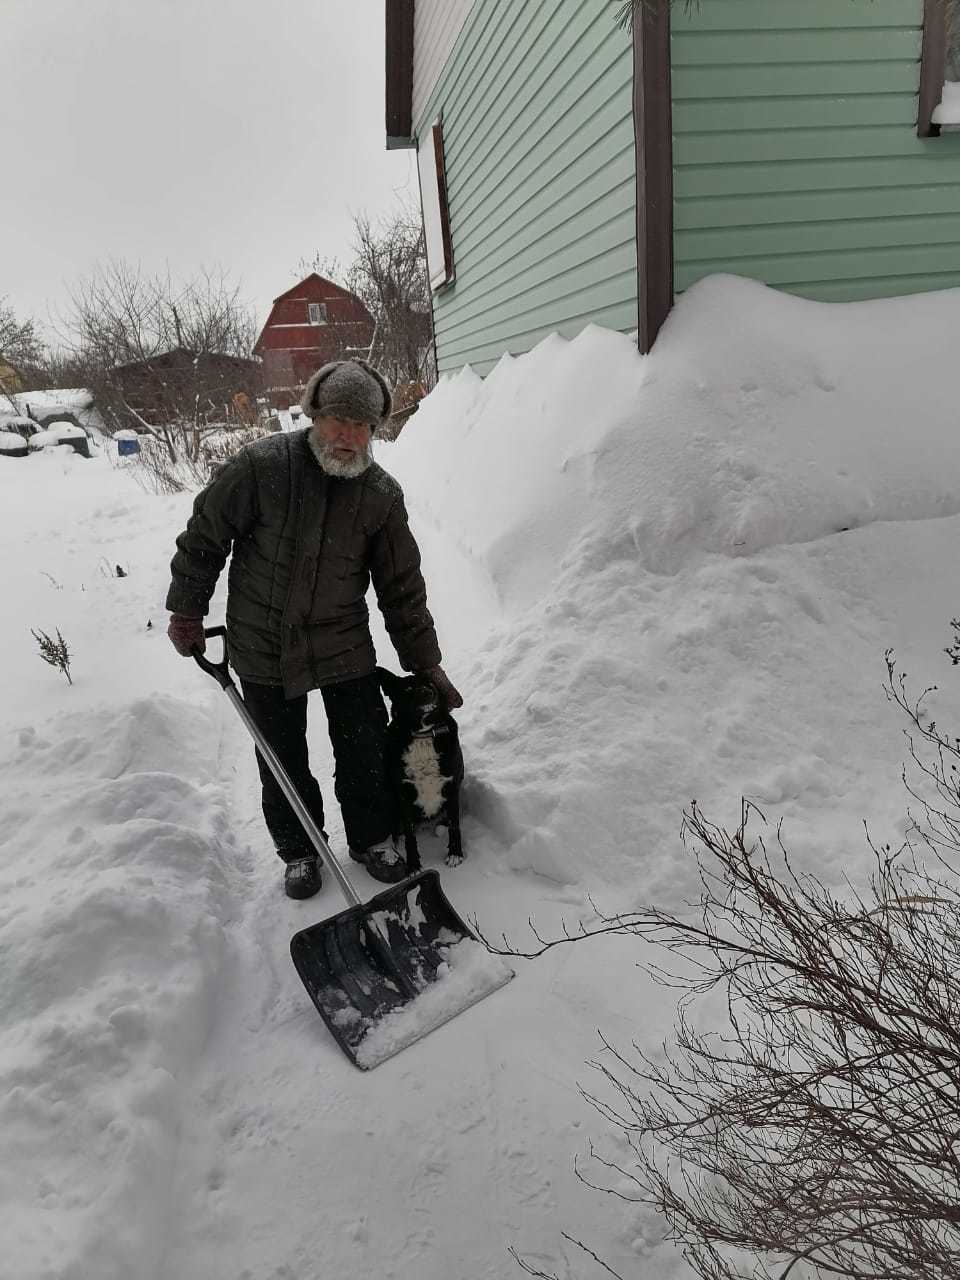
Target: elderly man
(311, 519)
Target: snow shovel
(385, 973)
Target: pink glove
(186, 634)
(440, 681)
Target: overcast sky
(234, 133)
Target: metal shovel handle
(221, 673)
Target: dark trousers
(357, 723)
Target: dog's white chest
(421, 769)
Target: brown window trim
(653, 133)
(933, 65)
(433, 139)
(437, 132)
(399, 73)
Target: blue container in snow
(127, 447)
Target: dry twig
(819, 1133)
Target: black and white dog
(424, 761)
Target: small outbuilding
(159, 387)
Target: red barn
(314, 322)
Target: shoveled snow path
(294, 1164)
(172, 1106)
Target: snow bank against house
(760, 420)
(693, 563)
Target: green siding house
(575, 169)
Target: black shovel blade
(364, 966)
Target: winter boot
(384, 860)
(302, 878)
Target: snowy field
(655, 579)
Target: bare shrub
(164, 356)
(389, 275)
(819, 1132)
(19, 343)
(156, 472)
(54, 652)
(953, 650)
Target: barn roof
(329, 285)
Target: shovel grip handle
(219, 670)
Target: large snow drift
(689, 559)
(654, 579)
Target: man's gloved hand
(186, 634)
(438, 677)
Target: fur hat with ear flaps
(348, 389)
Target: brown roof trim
(653, 133)
(933, 65)
(334, 290)
(399, 18)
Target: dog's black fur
(418, 716)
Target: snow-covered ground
(655, 580)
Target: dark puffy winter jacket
(305, 547)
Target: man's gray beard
(338, 466)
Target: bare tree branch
(819, 1131)
(389, 275)
(164, 355)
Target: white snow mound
(681, 562)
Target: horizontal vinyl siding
(538, 133)
(796, 158)
(436, 25)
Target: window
(940, 68)
(953, 42)
(436, 214)
(318, 312)
(947, 114)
